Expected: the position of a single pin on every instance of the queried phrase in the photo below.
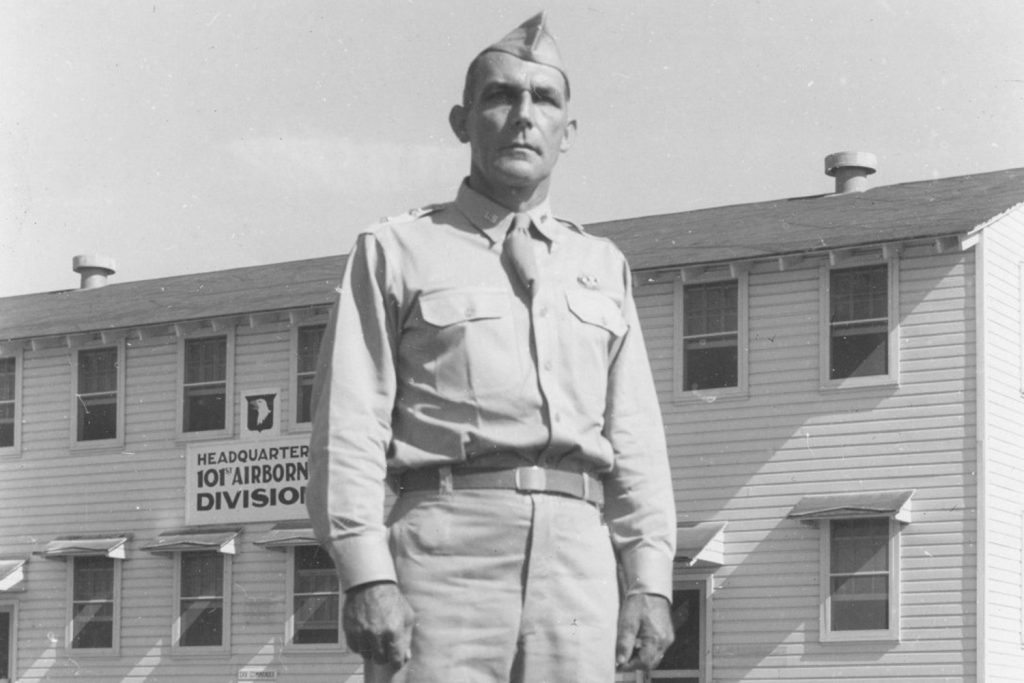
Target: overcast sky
(184, 137)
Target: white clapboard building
(841, 379)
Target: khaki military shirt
(437, 355)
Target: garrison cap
(532, 42)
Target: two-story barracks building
(841, 381)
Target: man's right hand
(378, 623)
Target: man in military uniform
(485, 359)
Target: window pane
(206, 360)
(7, 368)
(710, 308)
(304, 395)
(97, 371)
(710, 363)
(860, 350)
(94, 578)
(202, 574)
(6, 424)
(309, 347)
(93, 625)
(860, 615)
(204, 408)
(859, 293)
(202, 592)
(201, 622)
(684, 652)
(97, 417)
(5, 644)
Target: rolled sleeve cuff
(648, 570)
(362, 560)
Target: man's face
(516, 121)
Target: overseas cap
(532, 42)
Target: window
(308, 340)
(202, 599)
(860, 586)
(10, 431)
(859, 331)
(711, 334)
(315, 597)
(206, 384)
(94, 609)
(8, 629)
(684, 661)
(98, 387)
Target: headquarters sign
(253, 481)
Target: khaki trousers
(507, 587)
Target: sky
(187, 137)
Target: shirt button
(558, 417)
(542, 311)
(470, 312)
(547, 365)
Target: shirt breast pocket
(598, 312)
(468, 343)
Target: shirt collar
(494, 220)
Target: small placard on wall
(260, 413)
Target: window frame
(890, 259)
(290, 630)
(226, 612)
(118, 438)
(15, 448)
(711, 276)
(294, 372)
(893, 632)
(69, 631)
(229, 388)
(704, 583)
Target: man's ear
(568, 136)
(457, 120)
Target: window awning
(86, 546)
(701, 544)
(193, 539)
(288, 534)
(895, 504)
(12, 575)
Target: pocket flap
(597, 309)
(448, 308)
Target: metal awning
(191, 539)
(895, 504)
(114, 546)
(12, 575)
(287, 534)
(700, 544)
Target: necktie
(518, 247)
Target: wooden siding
(748, 460)
(1002, 250)
(55, 489)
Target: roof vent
(94, 269)
(851, 170)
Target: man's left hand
(645, 632)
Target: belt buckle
(531, 478)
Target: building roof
(255, 289)
(747, 231)
(805, 224)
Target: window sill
(859, 636)
(86, 652)
(212, 435)
(859, 383)
(710, 396)
(97, 444)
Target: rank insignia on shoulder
(588, 281)
(413, 214)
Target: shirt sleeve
(353, 396)
(639, 498)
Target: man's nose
(523, 109)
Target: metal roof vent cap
(94, 269)
(851, 170)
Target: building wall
(1002, 248)
(748, 460)
(53, 489)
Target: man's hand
(645, 632)
(378, 623)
